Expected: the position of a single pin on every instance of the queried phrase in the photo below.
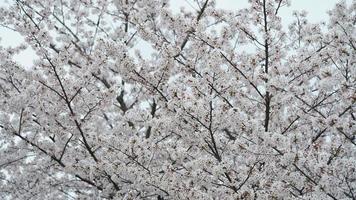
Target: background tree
(200, 118)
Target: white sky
(316, 12)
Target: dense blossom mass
(129, 99)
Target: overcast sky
(316, 12)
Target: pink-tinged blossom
(225, 105)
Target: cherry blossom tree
(228, 105)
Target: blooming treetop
(200, 118)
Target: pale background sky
(316, 12)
